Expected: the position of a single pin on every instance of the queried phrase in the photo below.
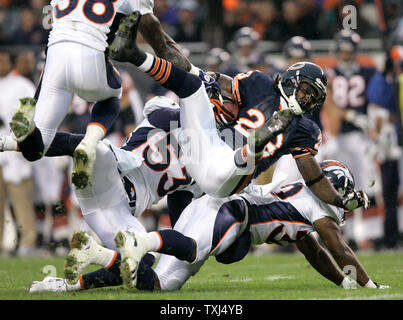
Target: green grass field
(275, 276)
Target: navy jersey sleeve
(306, 140)
(252, 87)
(380, 92)
(162, 118)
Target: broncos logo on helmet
(339, 175)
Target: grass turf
(275, 276)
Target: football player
(266, 111)
(226, 228)
(348, 124)
(77, 63)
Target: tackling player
(270, 108)
(226, 228)
(77, 63)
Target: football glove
(355, 199)
(373, 285)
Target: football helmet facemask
(303, 86)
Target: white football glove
(355, 199)
(373, 285)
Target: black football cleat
(277, 124)
(124, 47)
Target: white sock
(147, 64)
(153, 240)
(105, 257)
(93, 135)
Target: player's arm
(318, 257)
(344, 256)
(315, 180)
(324, 190)
(164, 46)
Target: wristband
(338, 202)
(313, 181)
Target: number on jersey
(97, 11)
(349, 92)
(157, 156)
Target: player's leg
(213, 164)
(53, 102)
(93, 78)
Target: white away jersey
(150, 159)
(89, 21)
(287, 215)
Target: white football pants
(71, 68)
(197, 222)
(208, 159)
(104, 203)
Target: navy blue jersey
(349, 91)
(258, 100)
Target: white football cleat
(132, 248)
(22, 123)
(84, 159)
(84, 251)
(49, 284)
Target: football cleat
(49, 284)
(84, 251)
(84, 159)
(278, 123)
(124, 46)
(132, 249)
(22, 123)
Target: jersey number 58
(97, 11)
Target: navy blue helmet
(308, 78)
(347, 40)
(246, 36)
(339, 175)
(298, 48)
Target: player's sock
(110, 276)
(32, 146)
(182, 83)
(176, 244)
(104, 277)
(100, 278)
(145, 277)
(64, 144)
(104, 113)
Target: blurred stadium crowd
(38, 211)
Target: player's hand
(355, 199)
(209, 82)
(381, 286)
